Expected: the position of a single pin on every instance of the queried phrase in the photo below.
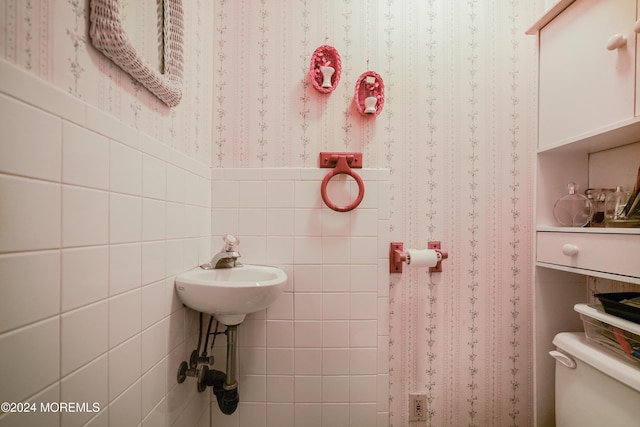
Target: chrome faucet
(227, 257)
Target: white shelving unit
(589, 101)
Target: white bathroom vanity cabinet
(588, 133)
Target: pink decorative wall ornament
(369, 94)
(325, 69)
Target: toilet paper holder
(397, 256)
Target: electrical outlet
(417, 406)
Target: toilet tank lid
(575, 344)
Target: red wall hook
(342, 163)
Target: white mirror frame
(110, 38)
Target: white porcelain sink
(231, 293)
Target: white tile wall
(125, 266)
(92, 230)
(319, 355)
(87, 384)
(85, 216)
(24, 151)
(123, 373)
(85, 157)
(29, 294)
(97, 218)
(83, 335)
(18, 348)
(32, 222)
(85, 276)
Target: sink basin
(231, 293)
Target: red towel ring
(342, 167)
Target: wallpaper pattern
(51, 39)
(457, 132)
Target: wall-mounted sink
(231, 293)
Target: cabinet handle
(636, 27)
(616, 41)
(570, 250)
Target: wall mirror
(158, 67)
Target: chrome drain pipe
(232, 342)
(224, 385)
(227, 392)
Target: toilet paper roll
(422, 258)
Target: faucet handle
(231, 242)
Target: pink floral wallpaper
(51, 39)
(457, 132)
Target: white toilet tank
(601, 390)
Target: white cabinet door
(583, 86)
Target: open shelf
(615, 135)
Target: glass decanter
(573, 209)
